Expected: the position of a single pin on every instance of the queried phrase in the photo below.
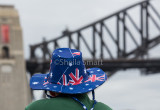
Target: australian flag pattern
(76, 53)
(70, 78)
(75, 79)
(94, 78)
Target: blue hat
(68, 74)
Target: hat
(68, 74)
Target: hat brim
(37, 83)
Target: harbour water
(128, 90)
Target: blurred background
(125, 34)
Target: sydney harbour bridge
(121, 40)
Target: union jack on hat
(67, 74)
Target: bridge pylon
(14, 89)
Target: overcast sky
(48, 18)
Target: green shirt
(66, 103)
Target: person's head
(53, 94)
(68, 74)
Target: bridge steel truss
(122, 57)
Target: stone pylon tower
(14, 90)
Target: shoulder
(47, 104)
(35, 104)
(102, 106)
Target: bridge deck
(106, 65)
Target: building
(14, 89)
